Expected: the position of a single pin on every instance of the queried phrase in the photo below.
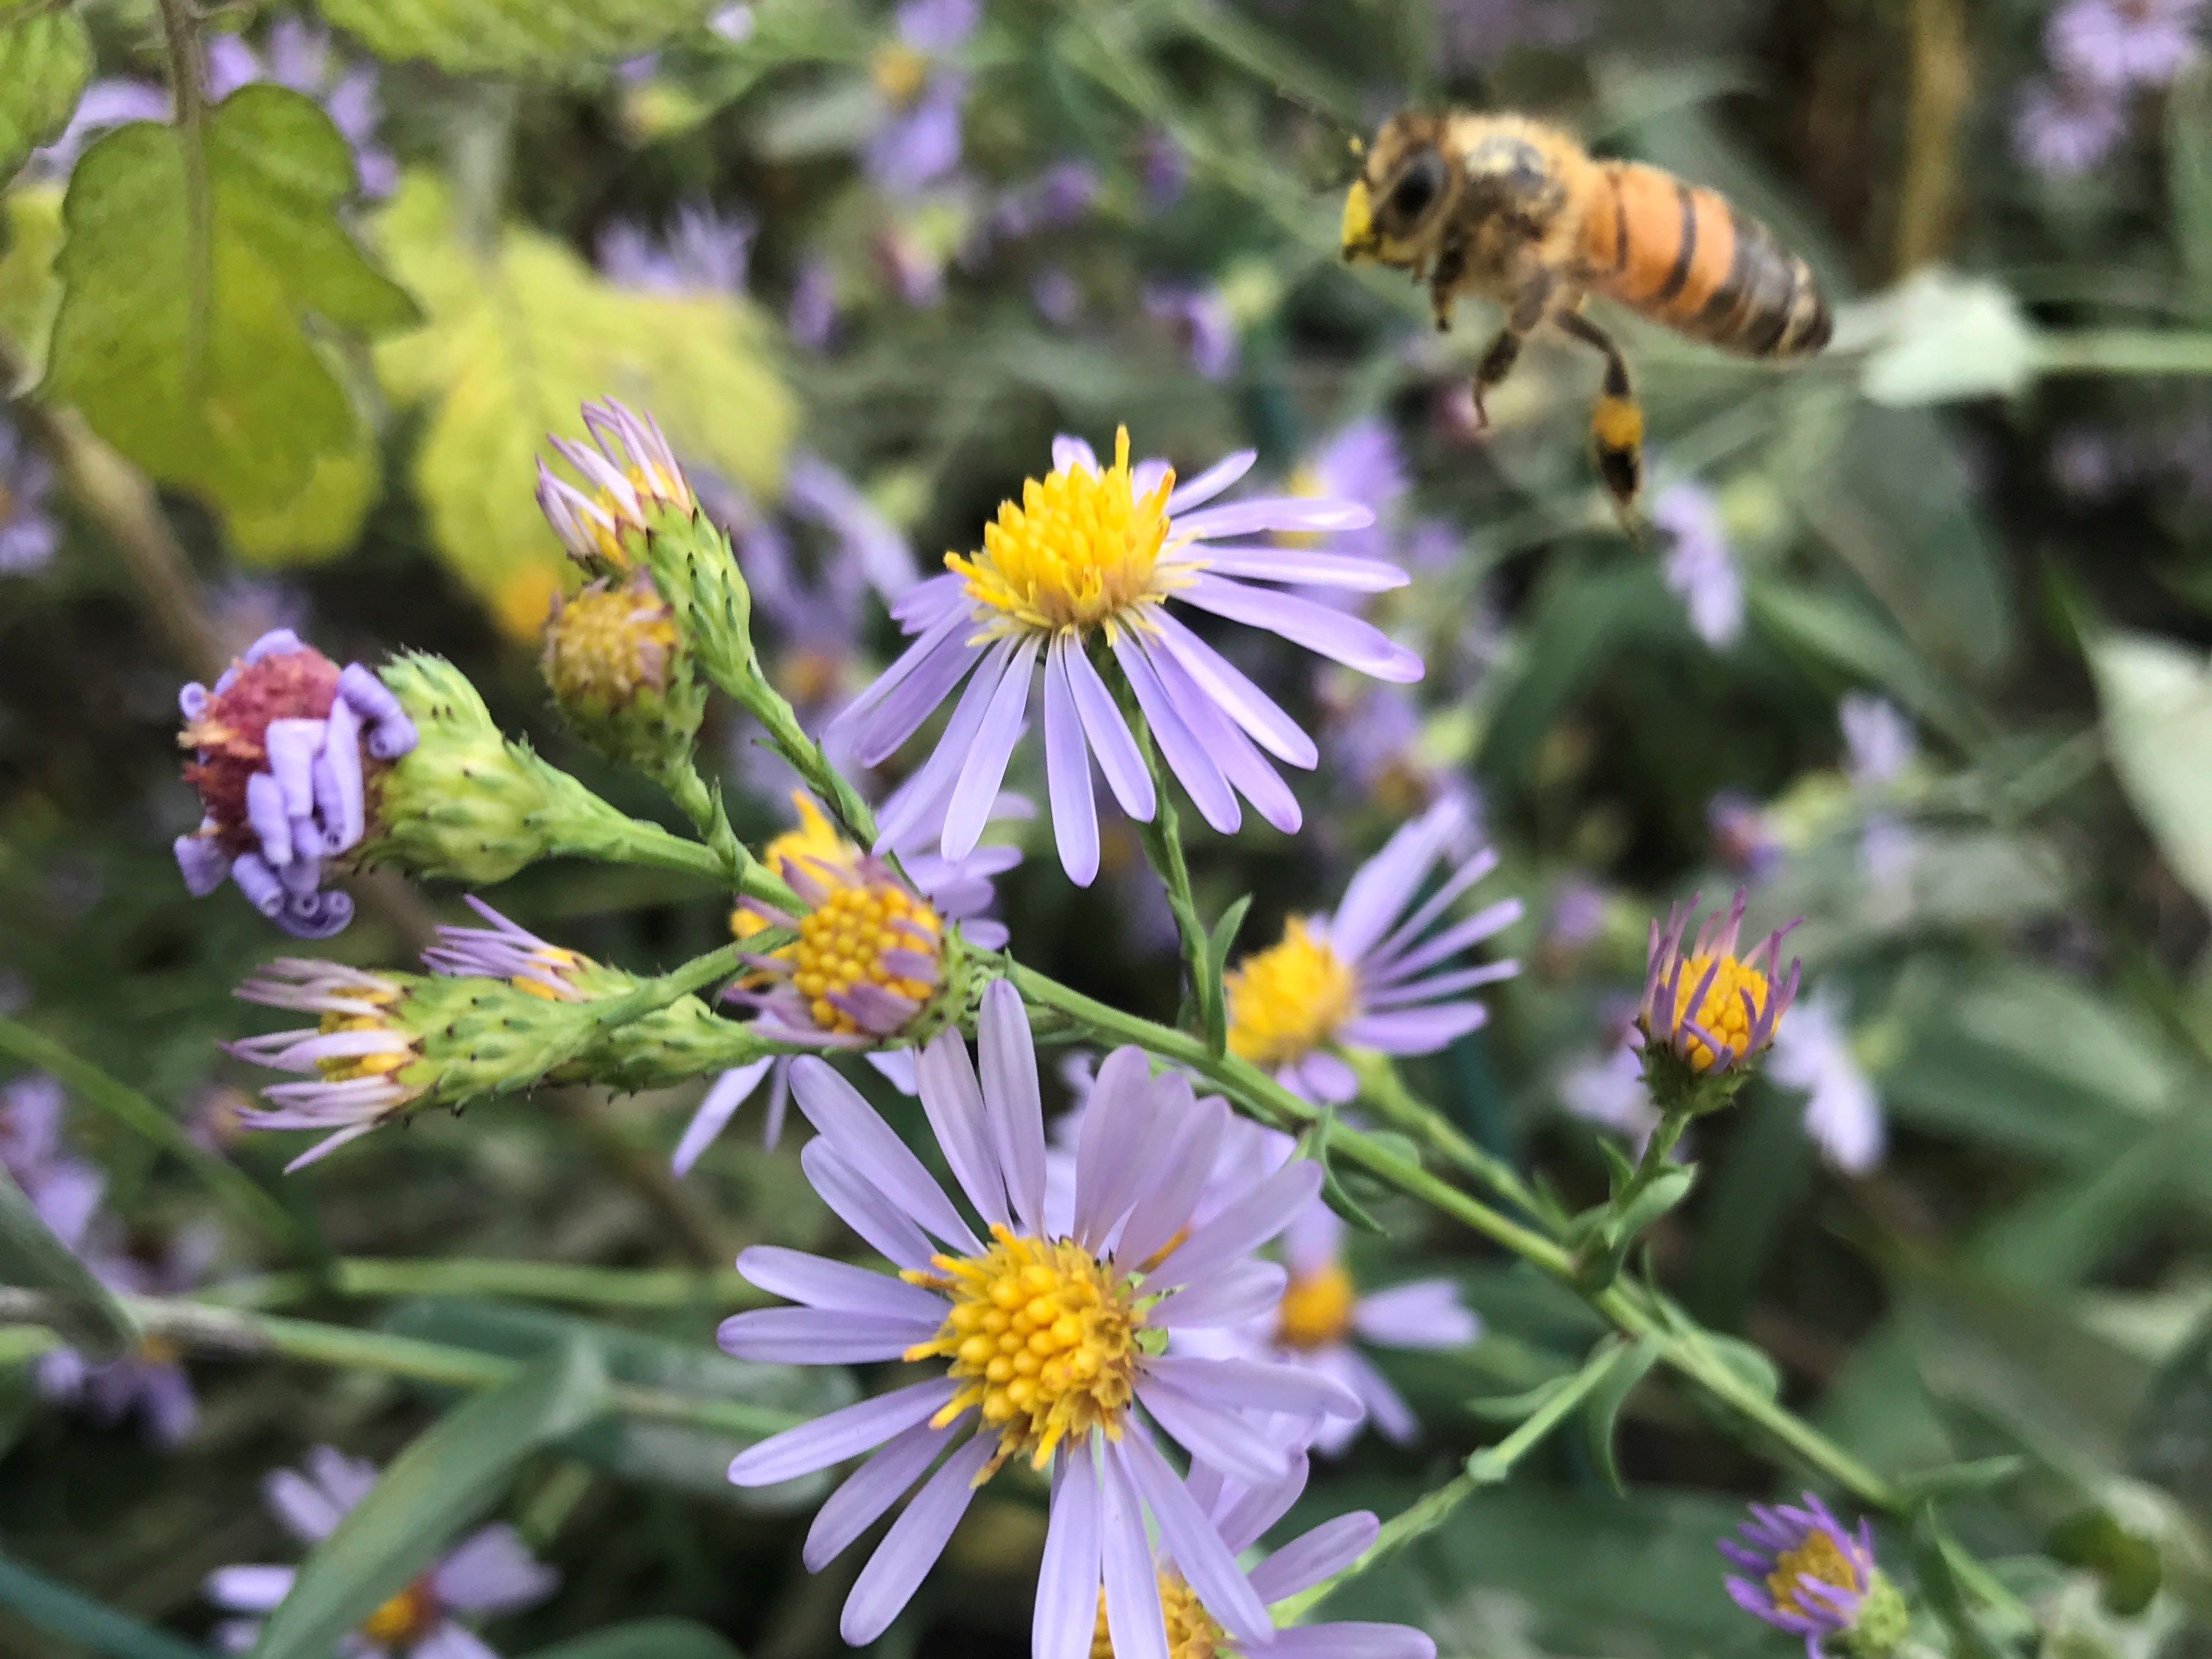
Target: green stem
(1424, 1515)
(570, 1284)
(188, 88)
(2124, 351)
(703, 806)
(1649, 1168)
(1383, 1092)
(234, 1333)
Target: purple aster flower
(1877, 739)
(2065, 127)
(1374, 975)
(1363, 463)
(704, 252)
(813, 316)
(288, 749)
(488, 1573)
(28, 534)
(923, 93)
(1374, 743)
(1813, 1577)
(505, 950)
(1711, 1008)
(1099, 552)
(300, 58)
(1091, 1305)
(1057, 295)
(1057, 198)
(2123, 43)
(106, 103)
(1165, 167)
(357, 1053)
(1843, 1112)
(1699, 566)
(63, 1191)
(1744, 841)
(1321, 1318)
(1203, 323)
(149, 1379)
(1241, 1512)
(1576, 915)
(958, 890)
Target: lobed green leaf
(45, 58)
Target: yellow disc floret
(1192, 1632)
(1316, 1311)
(899, 72)
(1042, 1335)
(608, 644)
(344, 1068)
(1819, 1558)
(1288, 999)
(813, 840)
(1723, 1012)
(843, 939)
(408, 1618)
(1080, 551)
(652, 482)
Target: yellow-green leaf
(30, 236)
(45, 58)
(514, 344)
(2156, 699)
(323, 520)
(553, 39)
(182, 335)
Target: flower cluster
(2101, 53)
(288, 750)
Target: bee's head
(1402, 194)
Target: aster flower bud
(620, 674)
(1706, 1012)
(1815, 1578)
(636, 483)
(290, 752)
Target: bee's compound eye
(1417, 189)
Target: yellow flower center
(1316, 1311)
(1078, 552)
(407, 1618)
(1286, 1000)
(841, 944)
(899, 72)
(341, 1068)
(813, 840)
(1818, 1558)
(159, 1351)
(1043, 1337)
(1722, 1012)
(608, 643)
(652, 482)
(1308, 482)
(1192, 1633)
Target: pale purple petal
(1245, 703)
(1190, 1540)
(953, 1102)
(814, 1336)
(1391, 1414)
(266, 818)
(1385, 884)
(1119, 758)
(922, 797)
(1134, 1620)
(1193, 1132)
(1246, 769)
(1067, 1607)
(1243, 1226)
(492, 1572)
(1291, 512)
(1236, 1294)
(1441, 985)
(1111, 1162)
(984, 769)
(447, 1641)
(1225, 472)
(1243, 1522)
(870, 1490)
(1426, 1314)
(1319, 628)
(817, 1282)
(1264, 561)
(875, 1218)
(1013, 1106)
(910, 1549)
(731, 1091)
(1068, 771)
(1215, 1433)
(1469, 930)
(836, 1109)
(1186, 756)
(1258, 1385)
(1313, 1556)
(308, 1512)
(202, 863)
(291, 746)
(249, 1588)
(1071, 454)
(1416, 1031)
(895, 704)
(846, 1432)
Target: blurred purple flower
(1576, 915)
(923, 93)
(488, 1573)
(733, 22)
(64, 1191)
(705, 252)
(1609, 1092)
(1098, 548)
(106, 103)
(1361, 463)
(813, 316)
(28, 533)
(2063, 127)
(1057, 295)
(1878, 740)
(1145, 1151)
(1165, 167)
(1744, 841)
(1055, 199)
(1699, 566)
(1203, 325)
(1843, 1112)
(299, 56)
(2123, 43)
(149, 1378)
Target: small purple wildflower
(1843, 1112)
(1706, 1005)
(1878, 740)
(488, 1573)
(2065, 127)
(106, 103)
(63, 1191)
(286, 747)
(813, 316)
(1203, 324)
(1057, 295)
(632, 470)
(149, 1379)
(1363, 463)
(357, 1063)
(1165, 167)
(1743, 837)
(924, 93)
(705, 252)
(1813, 1577)
(28, 533)
(733, 22)
(1699, 566)
(2123, 43)
(300, 58)
(1147, 1146)
(1099, 548)
(1369, 976)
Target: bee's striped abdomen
(1686, 257)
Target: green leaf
(514, 344)
(45, 58)
(2156, 697)
(2189, 179)
(1939, 337)
(33, 1258)
(1214, 992)
(30, 236)
(448, 1478)
(1950, 1480)
(1602, 1408)
(187, 346)
(323, 520)
(74, 1617)
(2125, 1563)
(551, 39)
(646, 1638)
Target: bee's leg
(1527, 311)
(1443, 290)
(1616, 422)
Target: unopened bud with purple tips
(288, 750)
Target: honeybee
(1517, 212)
